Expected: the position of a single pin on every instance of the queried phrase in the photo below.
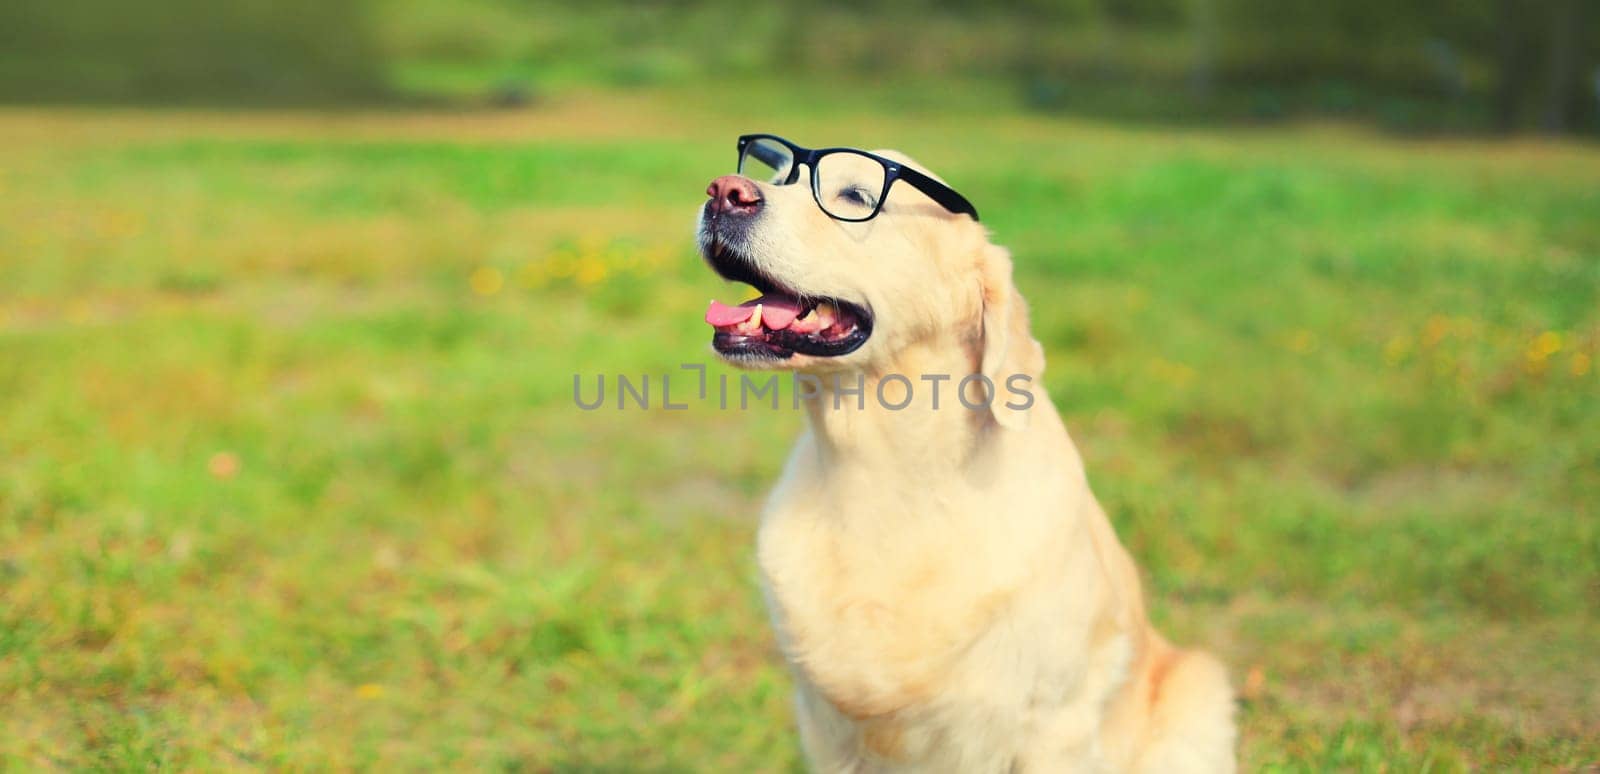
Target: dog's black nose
(733, 195)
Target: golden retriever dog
(946, 590)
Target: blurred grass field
(291, 474)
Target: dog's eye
(857, 195)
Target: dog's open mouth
(782, 323)
(779, 324)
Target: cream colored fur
(946, 589)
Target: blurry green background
(292, 294)
(1420, 65)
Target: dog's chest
(915, 657)
(883, 615)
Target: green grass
(291, 476)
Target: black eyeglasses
(848, 184)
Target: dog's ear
(1008, 347)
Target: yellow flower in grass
(591, 270)
(369, 691)
(1540, 349)
(487, 280)
(1435, 330)
(1548, 343)
(1396, 350)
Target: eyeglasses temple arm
(766, 154)
(939, 192)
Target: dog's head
(858, 296)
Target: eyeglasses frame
(892, 171)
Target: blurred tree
(1544, 53)
(184, 50)
(1511, 64)
(1204, 34)
(1562, 64)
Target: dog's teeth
(825, 314)
(752, 324)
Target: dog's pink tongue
(777, 312)
(721, 315)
